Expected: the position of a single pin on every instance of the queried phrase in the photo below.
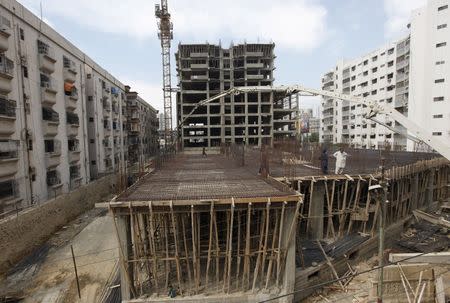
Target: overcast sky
(310, 35)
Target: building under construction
(221, 228)
(205, 70)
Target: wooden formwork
(205, 247)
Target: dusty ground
(48, 274)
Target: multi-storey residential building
(142, 127)
(205, 70)
(429, 93)
(61, 115)
(382, 76)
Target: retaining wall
(21, 233)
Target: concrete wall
(21, 234)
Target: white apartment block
(62, 117)
(382, 76)
(412, 74)
(429, 93)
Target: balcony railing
(9, 149)
(45, 49)
(72, 118)
(49, 114)
(6, 66)
(7, 107)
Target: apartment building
(381, 76)
(142, 128)
(62, 116)
(429, 93)
(205, 70)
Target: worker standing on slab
(324, 161)
(341, 158)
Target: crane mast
(165, 34)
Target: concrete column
(289, 266)
(430, 188)
(315, 224)
(124, 234)
(415, 192)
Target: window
(391, 51)
(374, 81)
(374, 92)
(353, 78)
(22, 34)
(90, 98)
(437, 133)
(25, 71)
(383, 53)
(89, 76)
(374, 58)
(365, 73)
(93, 162)
(438, 116)
(92, 141)
(390, 63)
(441, 26)
(441, 8)
(440, 62)
(374, 70)
(437, 99)
(353, 68)
(91, 119)
(366, 62)
(439, 81)
(441, 44)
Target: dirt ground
(47, 275)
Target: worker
(324, 161)
(204, 152)
(172, 291)
(341, 157)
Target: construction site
(236, 204)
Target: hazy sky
(310, 35)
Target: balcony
(8, 157)
(254, 54)
(255, 77)
(50, 121)
(402, 64)
(199, 77)
(47, 57)
(199, 65)
(255, 65)
(74, 156)
(5, 32)
(402, 77)
(52, 153)
(198, 55)
(48, 90)
(7, 117)
(73, 123)
(6, 74)
(70, 70)
(53, 179)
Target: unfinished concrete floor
(48, 275)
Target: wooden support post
(230, 247)
(211, 216)
(217, 250)
(266, 238)
(177, 256)
(166, 248)
(331, 265)
(194, 250)
(246, 273)
(272, 253)
(188, 265)
(152, 244)
(258, 259)
(342, 211)
(238, 253)
(225, 266)
(279, 244)
(355, 204)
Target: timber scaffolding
(212, 229)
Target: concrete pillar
(124, 234)
(430, 188)
(289, 266)
(315, 223)
(415, 192)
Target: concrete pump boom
(373, 108)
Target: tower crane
(165, 34)
(373, 109)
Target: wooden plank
(188, 265)
(330, 264)
(431, 218)
(238, 253)
(272, 256)
(266, 238)
(194, 250)
(166, 248)
(152, 244)
(258, 259)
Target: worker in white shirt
(341, 157)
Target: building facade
(429, 93)
(204, 71)
(142, 128)
(62, 116)
(381, 76)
